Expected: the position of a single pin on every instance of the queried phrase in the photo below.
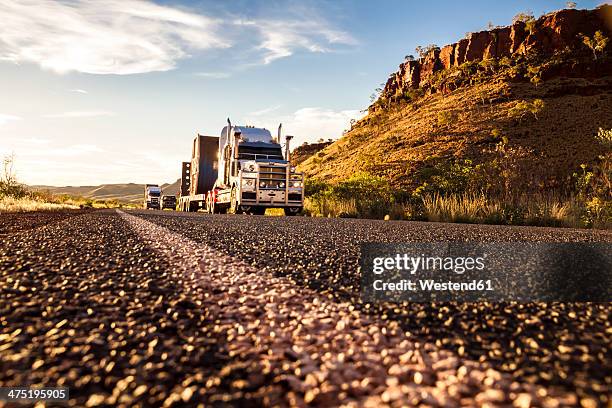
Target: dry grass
(459, 208)
(331, 207)
(10, 204)
(541, 210)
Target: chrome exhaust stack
(287, 152)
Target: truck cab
(244, 170)
(254, 174)
(152, 196)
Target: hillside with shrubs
(510, 125)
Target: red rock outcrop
(551, 32)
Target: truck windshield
(263, 153)
(154, 193)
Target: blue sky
(113, 91)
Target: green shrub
(522, 108)
(596, 44)
(534, 73)
(448, 178)
(362, 195)
(594, 186)
(446, 117)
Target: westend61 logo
(514, 271)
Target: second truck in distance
(242, 171)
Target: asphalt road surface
(155, 308)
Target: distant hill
(130, 192)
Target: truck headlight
(292, 169)
(297, 184)
(281, 184)
(262, 184)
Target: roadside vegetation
(16, 197)
(499, 191)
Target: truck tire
(258, 210)
(234, 208)
(291, 211)
(193, 207)
(210, 204)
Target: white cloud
(265, 111)
(4, 118)
(213, 75)
(310, 124)
(82, 91)
(102, 36)
(78, 114)
(139, 36)
(281, 38)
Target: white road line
(326, 353)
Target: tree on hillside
(570, 5)
(424, 51)
(534, 73)
(409, 58)
(604, 137)
(522, 108)
(526, 18)
(523, 17)
(596, 44)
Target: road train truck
(243, 170)
(168, 201)
(152, 195)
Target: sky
(114, 91)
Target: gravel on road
(553, 344)
(169, 309)
(13, 222)
(292, 346)
(85, 304)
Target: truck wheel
(258, 210)
(234, 207)
(211, 207)
(193, 207)
(291, 211)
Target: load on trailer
(242, 171)
(152, 194)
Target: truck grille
(273, 173)
(272, 176)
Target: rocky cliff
(550, 33)
(448, 107)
